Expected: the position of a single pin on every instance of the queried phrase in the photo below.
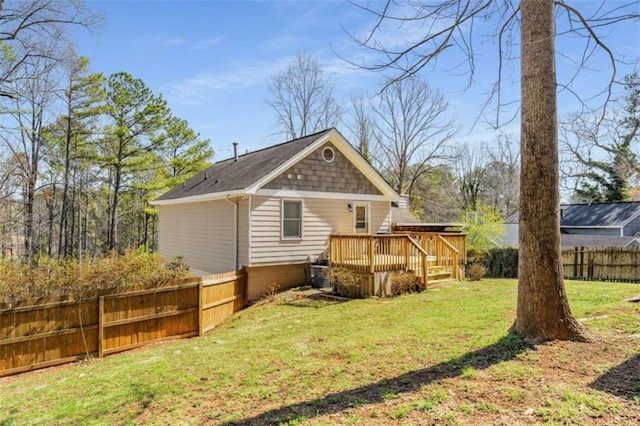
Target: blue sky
(212, 60)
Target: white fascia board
(199, 198)
(591, 227)
(347, 150)
(287, 193)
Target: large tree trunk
(543, 312)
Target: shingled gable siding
(202, 232)
(313, 173)
(321, 217)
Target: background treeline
(82, 153)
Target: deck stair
(438, 275)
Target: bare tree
(469, 166)
(603, 150)
(542, 312)
(302, 98)
(27, 27)
(412, 132)
(361, 124)
(34, 97)
(502, 176)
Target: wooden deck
(416, 252)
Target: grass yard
(439, 357)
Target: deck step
(435, 276)
(438, 283)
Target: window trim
(333, 154)
(301, 219)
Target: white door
(361, 218)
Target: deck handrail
(424, 264)
(454, 252)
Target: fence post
(200, 313)
(100, 326)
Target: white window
(361, 218)
(291, 219)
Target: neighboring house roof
(514, 219)
(599, 215)
(249, 172)
(602, 215)
(575, 240)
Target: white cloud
(190, 44)
(199, 89)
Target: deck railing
(449, 250)
(412, 252)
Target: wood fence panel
(46, 334)
(222, 295)
(139, 318)
(602, 263)
(43, 333)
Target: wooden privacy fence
(602, 263)
(52, 332)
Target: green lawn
(442, 356)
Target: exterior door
(361, 218)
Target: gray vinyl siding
(632, 227)
(609, 232)
(201, 232)
(321, 217)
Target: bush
(405, 282)
(61, 277)
(476, 272)
(346, 282)
(502, 262)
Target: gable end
(313, 173)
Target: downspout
(235, 232)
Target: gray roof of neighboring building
(513, 219)
(229, 174)
(605, 214)
(593, 215)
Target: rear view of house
(273, 210)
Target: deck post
(425, 270)
(372, 257)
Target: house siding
(632, 227)
(313, 173)
(321, 217)
(609, 232)
(201, 232)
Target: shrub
(502, 262)
(346, 282)
(405, 282)
(476, 272)
(62, 277)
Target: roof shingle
(229, 175)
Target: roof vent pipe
(235, 151)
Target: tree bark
(543, 311)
